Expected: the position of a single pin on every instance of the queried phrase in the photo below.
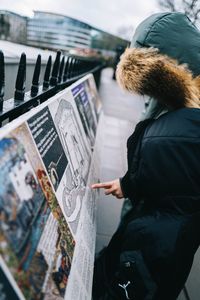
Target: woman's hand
(111, 187)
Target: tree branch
(189, 7)
(196, 16)
(169, 4)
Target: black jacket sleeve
(125, 185)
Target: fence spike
(2, 79)
(54, 74)
(75, 67)
(78, 66)
(47, 73)
(71, 67)
(82, 66)
(66, 70)
(36, 76)
(21, 79)
(61, 70)
(85, 66)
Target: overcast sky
(108, 15)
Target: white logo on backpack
(124, 286)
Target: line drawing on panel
(78, 158)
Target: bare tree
(190, 7)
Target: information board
(48, 160)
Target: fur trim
(146, 72)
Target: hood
(163, 61)
(147, 72)
(174, 35)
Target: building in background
(54, 31)
(13, 27)
(105, 42)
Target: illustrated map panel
(47, 208)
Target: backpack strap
(134, 146)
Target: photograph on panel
(94, 99)
(57, 242)
(85, 111)
(36, 242)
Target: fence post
(21, 79)
(36, 76)
(61, 70)
(66, 70)
(56, 66)
(71, 68)
(47, 74)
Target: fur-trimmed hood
(174, 35)
(147, 72)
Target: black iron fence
(58, 75)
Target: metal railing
(58, 75)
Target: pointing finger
(105, 185)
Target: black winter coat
(151, 254)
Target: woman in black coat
(151, 254)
